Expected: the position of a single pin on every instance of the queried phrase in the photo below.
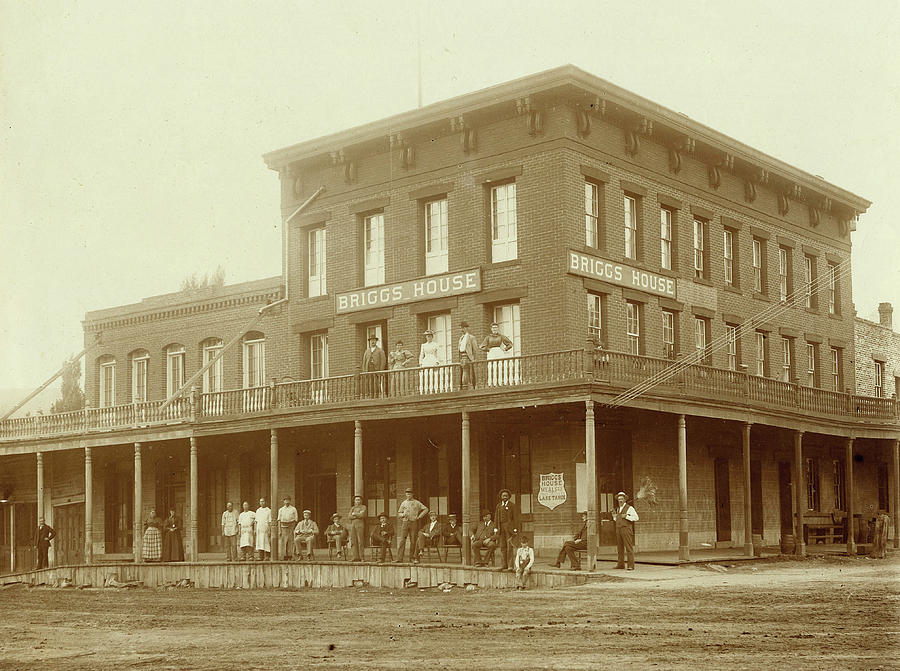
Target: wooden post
(684, 552)
(273, 489)
(195, 500)
(590, 465)
(799, 494)
(848, 456)
(748, 504)
(896, 493)
(137, 522)
(88, 507)
(12, 537)
(358, 488)
(40, 484)
(466, 487)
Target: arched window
(140, 362)
(254, 359)
(106, 368)
(174, 368)
(212, 377)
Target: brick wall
(874, 342)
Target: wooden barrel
(788, 544)
(757, 545)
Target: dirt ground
(821, 613)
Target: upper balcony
(602, 372)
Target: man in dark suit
(484, 538)
(373, 360)
(577, 543)
(382, 535)
(507, 518)
(452, 532)
(42, 537)
(430, 534)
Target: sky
(132, 134)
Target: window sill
(665, 272)
(762, 297)
(315, 299)
(733, 289)
(587, 249)
(812, 311)
(836, 315)
(505, 264)
(702, 280)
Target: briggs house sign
(410, 291)
(553, 490)
(620, 274)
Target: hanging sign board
(553, 490)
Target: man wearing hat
(409, 513)
(373, 360)
(357, 528)
(287, 520)
(304, 534)
(430, 535)
(625, 517)
(507, 518)
(452, 533)
(382, 534)
(467, 347)
(570, 548)
(484, 538)
(337, 534)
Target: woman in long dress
(497, 346)
(152, 546)
(172, 547)
(429, 357)
(399, 359)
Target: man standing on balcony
(287, 520)
(373, 361)
(263, 531)
(625, 517)
(467, 346)
(507, 518)
(409, 513)
(230, 532)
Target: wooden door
(756, 504)
(68, 523)
(785, 503)
(723, 501)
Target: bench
(825, 527)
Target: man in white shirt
(230, 532)
(430, 534)
(409, 512)
(625, 517)
(467, 345)
(263, 531)
(524, 562)
(247, 524)
(287, 520)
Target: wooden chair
(448, 548)
(334, 551)
(375, 553)
(433, 548)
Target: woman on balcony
(497, 346)
(399, 359)
(429, 357)
(172, 548)
(152, 549)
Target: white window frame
(757, 266)
(140, 366)
(318, 356)
(808, 262)
(254, 376)
(701, 339)
(437, 233)
(212, 376)
(508, 319)
(786, 365)
(835, 369)
(879, 379)
(591, 214)
(174, 369)
(760, 354)
(668, 334)
(728, 255)
(595, 316)
(699, 252)
(811, 364)
(373, 249)
(443, 336)
(631, 227)
(504, 225)
(665, 238)
(317, 267)
(107, 373)
(633, 326)
(731, 358)
(783, 274)
(832, 289)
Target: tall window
(316, 278)
(758, 266)
(212, 377)
(318, 356)
(174, 369)
(507, 318)
(631, 225)
(787, 372)
(701, 339)
(633, 326)
(728, 240)
(812, 484)
(107, 383)
(139, 363)
(879, 379)
(731, 346)
(809, 276)
(440, 324)
(668, 334)
(665, 238)
(254, 360)
(761, 359)
(833, 306)
(504, 228)
(591, 215)
(840, 491)
(373, 239)
(436, 236)
(699, 249)
(812, 353)
(784, 274)
(837, 381)
(595, 316)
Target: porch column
(12, 537)
(273, 490)
(896, 492)
(466, 487)
(848, 467)
(40, 484)
(88, 507)
(590, 465)
(195, 505)
(684, 552)
(748, 507)
(137, 522)
(799, 494)
(358, 484)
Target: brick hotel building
(609, 237)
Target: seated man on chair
(382, 535)
(430, 535)
(452, 532)
(336, 535)
(304, 535)
(569, 548)
(484, 538)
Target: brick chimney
(886, 315)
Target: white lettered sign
(553, 490)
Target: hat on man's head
(429, 332)
(464, 324)
(336, 516)
(485, 512)
(384, 515)
(622, 494)
(452, 516)
(308, 511)
(373, 337)
(508, 493)
(408, 490)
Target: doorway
(785, 505)
(756, 505)
(723, 501)
(68, 522)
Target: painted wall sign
(621, 274)
(553, 490)
(410, 291)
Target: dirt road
(838, 613)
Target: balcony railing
(616, 370)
